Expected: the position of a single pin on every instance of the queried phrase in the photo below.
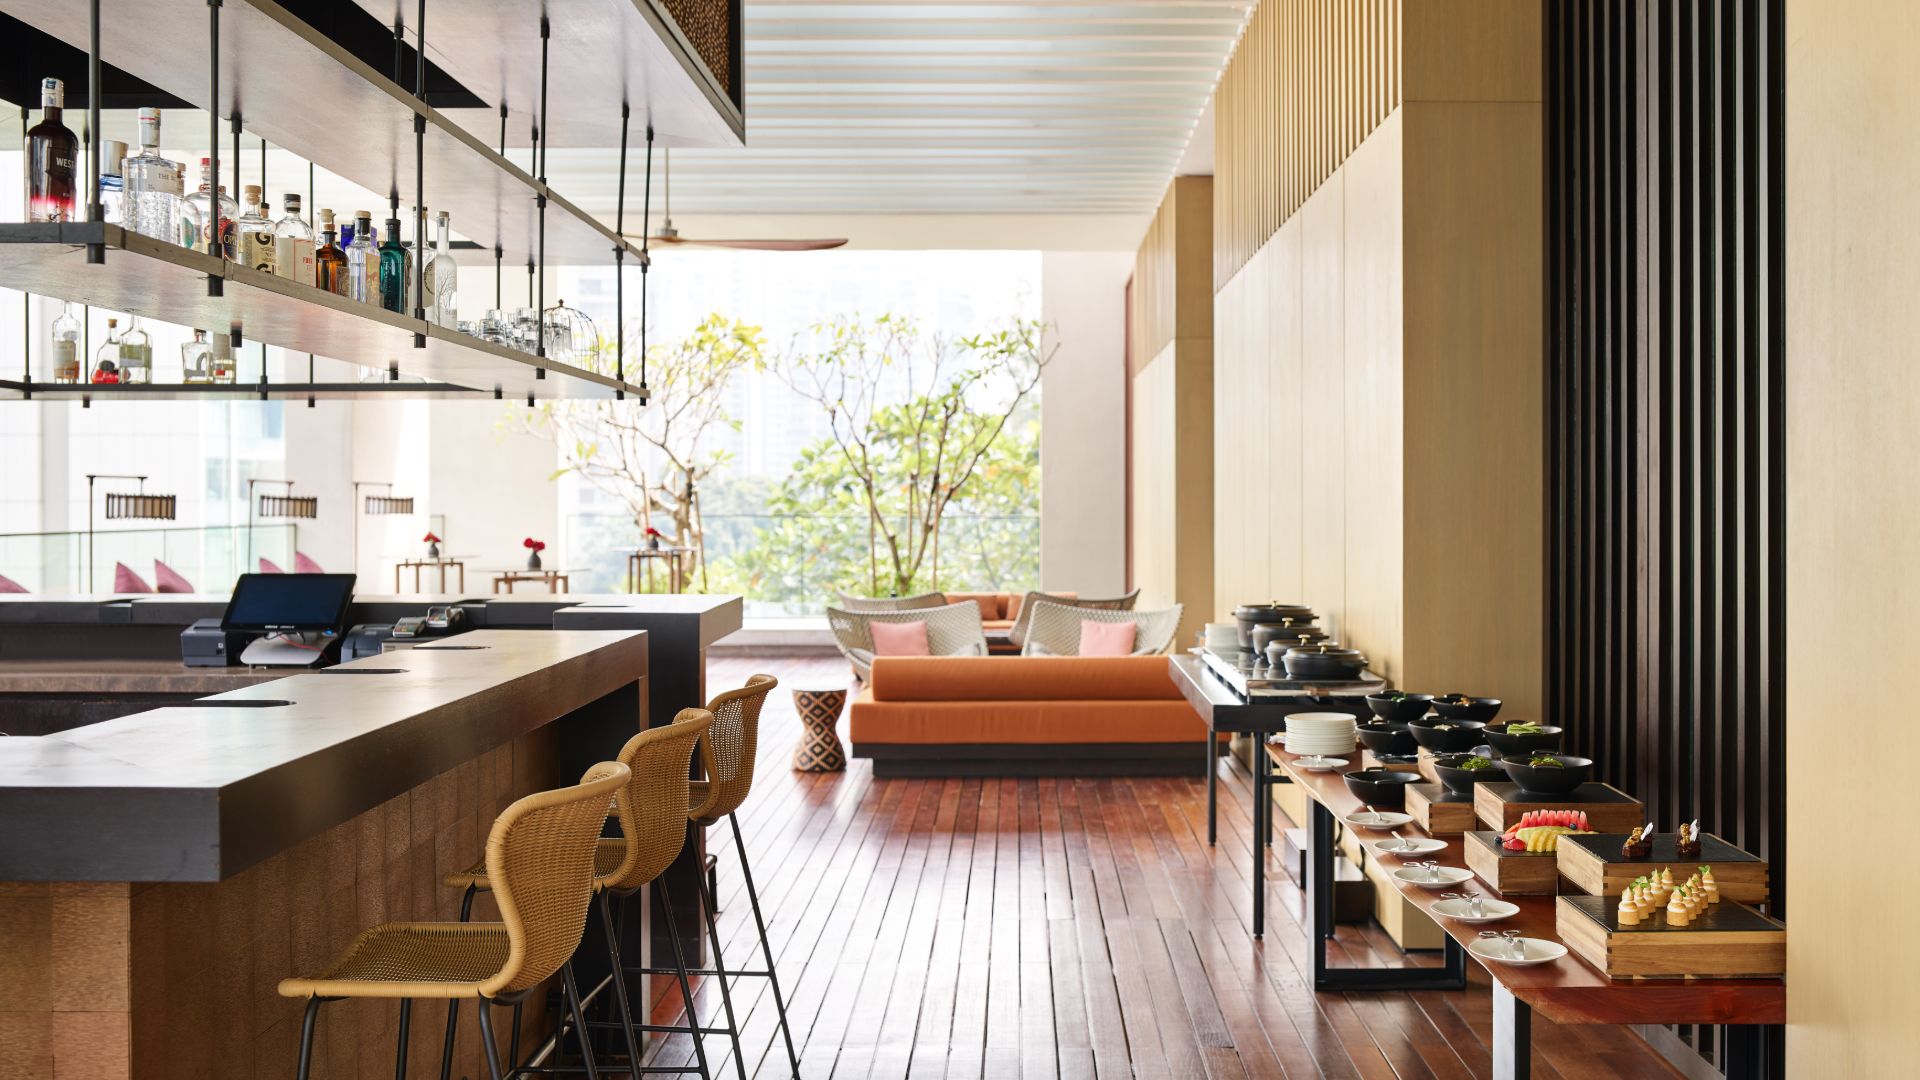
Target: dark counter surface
(199, 793)
(124, 677)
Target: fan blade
(756, 245)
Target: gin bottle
(363, 261)
(153, 189)
(442, 277)
(293, 244)
(106, 359)
(53, 154)
(329, 261)
(136, 354)
(394, 265)
(254, 234)
(214, 235)
(66, 346)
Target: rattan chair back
(849, 602)
(653, 808)
(1056, 628)
(727, 750)
(1021, 622)
(540, 858)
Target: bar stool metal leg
(686, 984)
(579, 1022)
(446, 1047)
(619, 985)
(400, 1050)
(720, 973)
(306, 1038)
(766, 947)
(486, 1039)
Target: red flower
(429, 539)
(536, 545)
(651, 531)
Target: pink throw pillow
(8, 585)
(268, 566)
(1106, 638)
(900, 639)
(126, 581)
(304, 565)
(165, 579)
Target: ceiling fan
(667, 234)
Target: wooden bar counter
(161, 872)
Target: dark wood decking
(1071, 928)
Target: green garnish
(1394, 695)
(1546, 761)
(1524, 729)
(1473, 763)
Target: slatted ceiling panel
(1308, 82)
(1666, 638)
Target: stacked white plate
(1328, 734)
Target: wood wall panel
(1852, 414)
(1666, 450)
(1308, 82)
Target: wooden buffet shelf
(1567, 991)
(153, 279)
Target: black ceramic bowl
(1545, 779)
(1446, 767)
(1401, 708)
(1483, 709)
(1381, 787)
(1387, 738)
(1496, 735)
(1455, 737)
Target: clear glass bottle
(53, 156)
(220, 347)
(363, 261)
(394, 264)
(254, 233)
(106, 359)
(136, 354)
(113, 185)
(196, 360)
(442, 276)
(66, 346)
(329, 261)
(153, 187)
(212, 235)
(293, 244)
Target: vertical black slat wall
(1665, 635)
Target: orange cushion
(992, 605)
(1023, 678)
(1042, 722)
(1016, 601)
(900, 638)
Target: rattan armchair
(952, 630)
(1056, 628)
(540, 867)
(892, 603)
(1018, 633)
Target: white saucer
(1385, 819)
(1491, 910)
(1315, 763)
(1446, 878)
(1538, 951)
(1422, 845)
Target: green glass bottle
(393, 269)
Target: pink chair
(167, 580)
(8, 585)
(304, 565)
(126, 581)
(268, 566)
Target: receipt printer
(205, 644)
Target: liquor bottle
(329, 262)
(394, 265)
(66, 347)
(215, 234)
(196, 359)
(136, 354)
(224, 370)
(293, 244)
(442, 276)
(363, 261)
(154, 193)
(113, 186)
(52, 157)
(106, 359)
(254, 233)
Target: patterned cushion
(304, 565)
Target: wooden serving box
(1439, 810)
(1608, 808)
(1727, 940)
(1514, 873)
(1370, 760)
(1594, 865)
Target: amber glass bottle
(329, 262)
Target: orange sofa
(1026, 716)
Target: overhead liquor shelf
(604, 53)
(15, 390)
(153, 279)
(300, 91)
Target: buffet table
(1232, 698)
(1566, 991)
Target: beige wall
(1378, 374)
(1853, 513)
(1083, 465)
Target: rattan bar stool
(653, 826)
(727, 756)
(540, 866)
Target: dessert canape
(1676, 911)
(1687, 843)
(1629, 908)
(1643, 896)
(1639, 843)
(1709, 886)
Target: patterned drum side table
(819, 749)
